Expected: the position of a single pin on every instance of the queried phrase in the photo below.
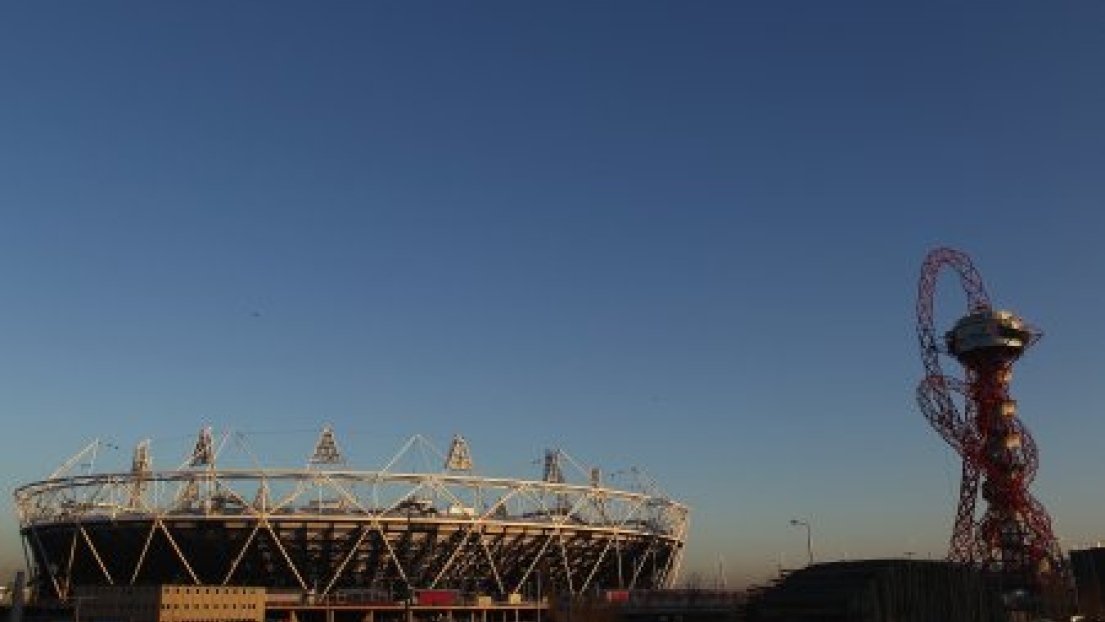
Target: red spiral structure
(1012, 538)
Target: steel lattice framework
(1013, 536)
(326, 528)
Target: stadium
(329, 531)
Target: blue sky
(685, 238)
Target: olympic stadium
(324, 529)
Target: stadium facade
(325, 529)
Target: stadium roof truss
(326, 528)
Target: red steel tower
(1012, 538)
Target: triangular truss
(140, 467)
(460, 458)
(554, 474)
(326, 449)
(262, 499)
(204, 452)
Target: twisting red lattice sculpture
(1012, 538)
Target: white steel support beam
(69, 566)
(597, 565)
(142, 555)
(180, 554)
(546, 539)
(96, 554)
(287, 558)
(621, 556)
(241, 553)
(348, 556)
(44, 553)
(566, 561)
(491, 562)
(461, 546)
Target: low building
(1088, 566)
(170, 603)
(880, 590)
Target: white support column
(180, 554)
(284, 554)
(241, 554)
(69, 567)
(142, 555)
(349, 556)
(43, 553)
(96, 555)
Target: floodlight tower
(1012, 538)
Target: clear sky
(680, 236)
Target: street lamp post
(809, 537)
